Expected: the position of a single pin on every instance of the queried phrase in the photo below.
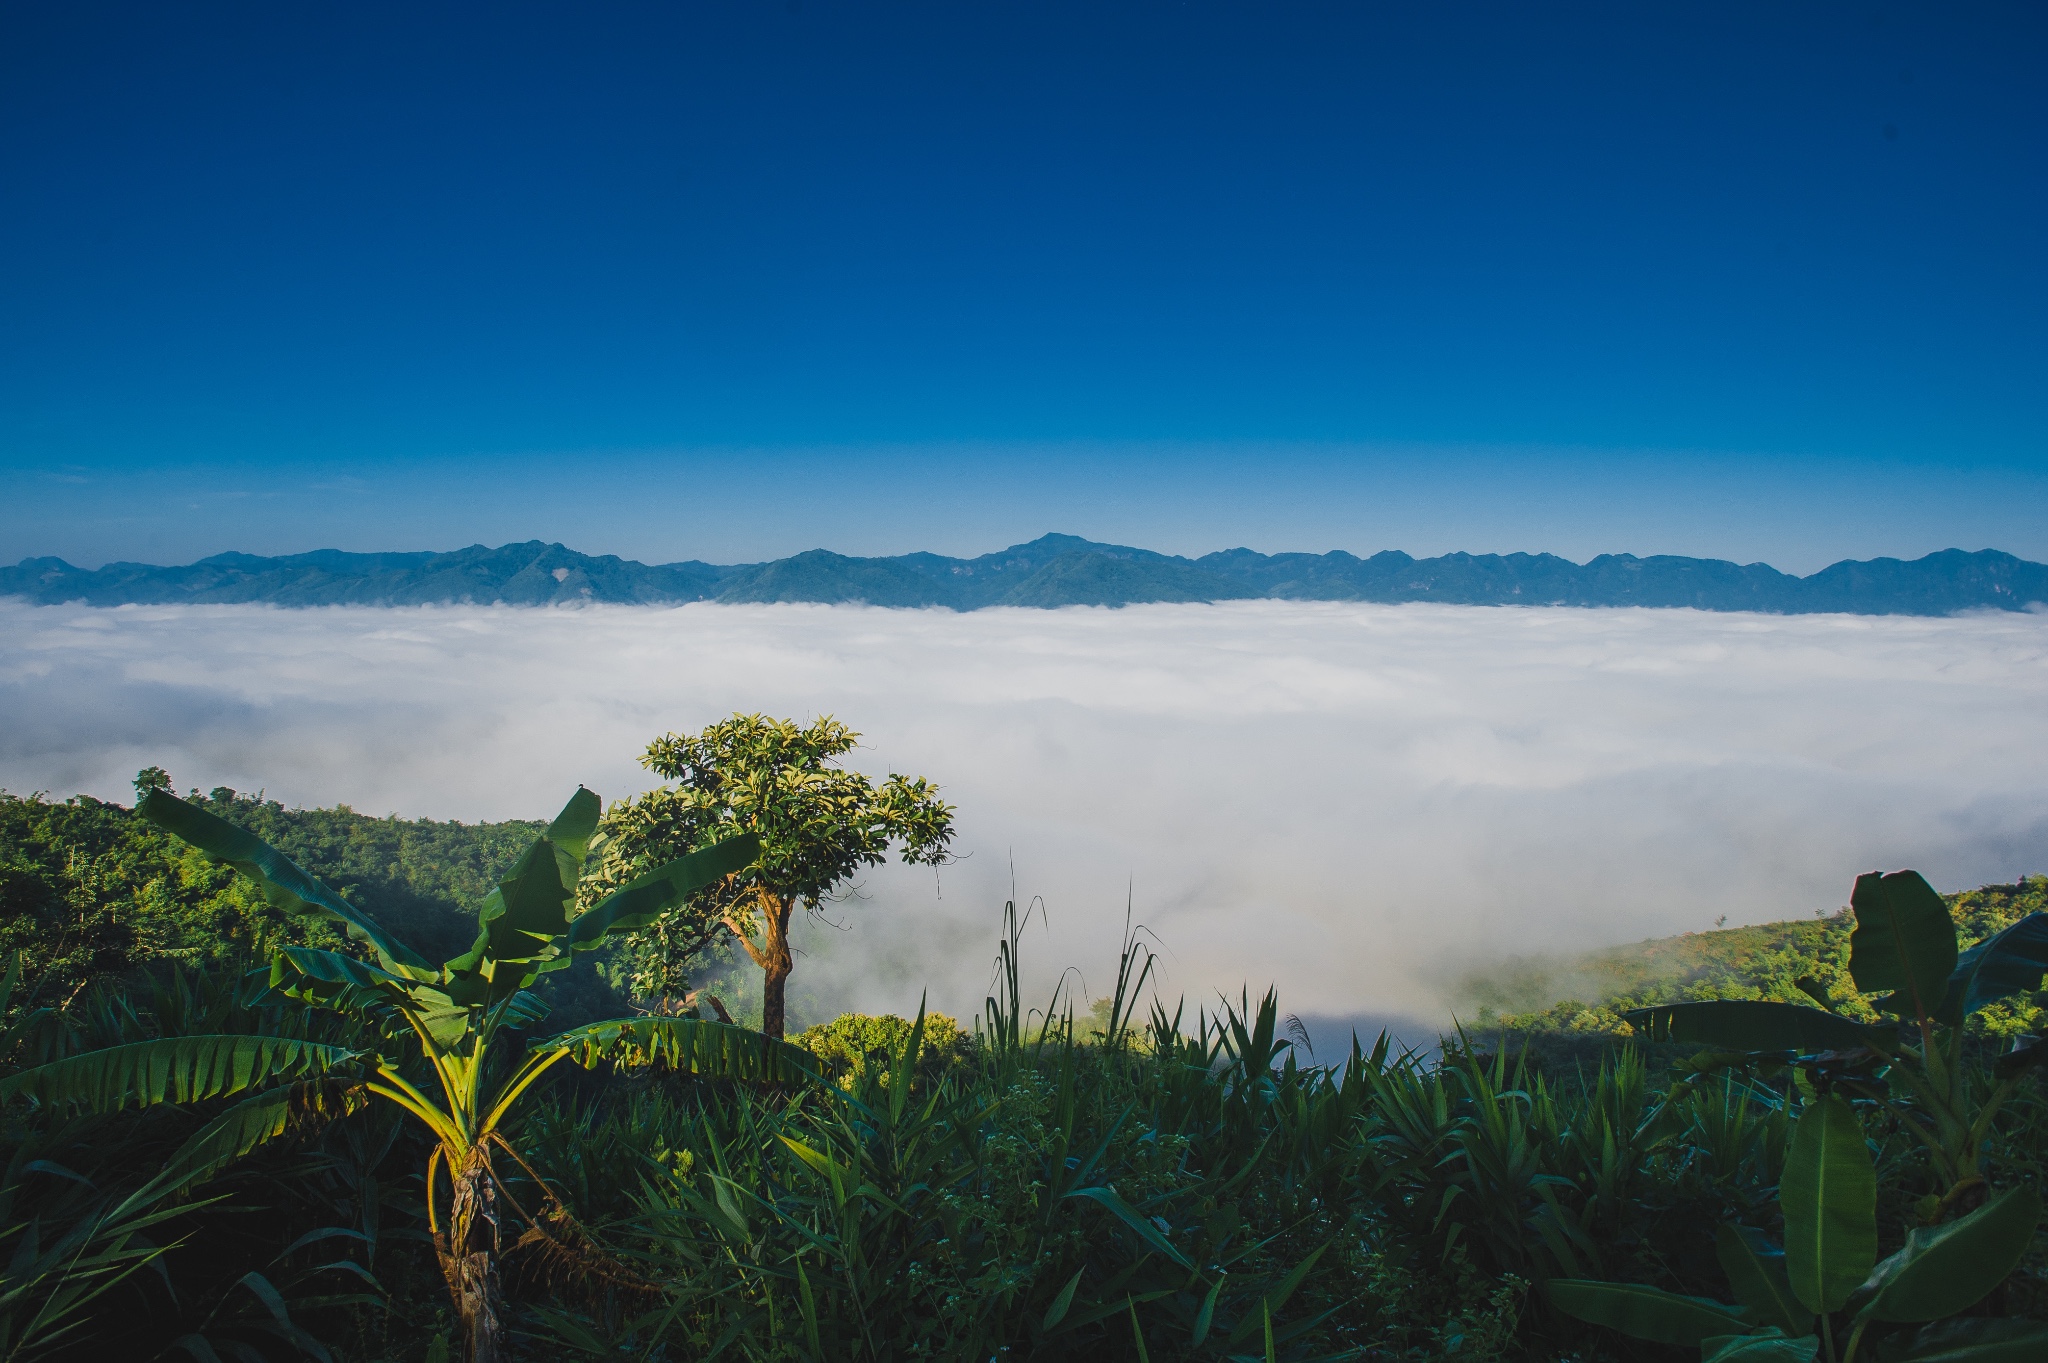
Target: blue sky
(728, 281)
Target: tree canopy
(818, 823)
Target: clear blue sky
(732, 280)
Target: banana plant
(1787, 1300)
(1904, 947)
(456, 1011)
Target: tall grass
(1169, 1185)
(1188, 1190)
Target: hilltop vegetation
(1585, 996)
(91, 894)
(1051, 571)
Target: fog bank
(1347, 801)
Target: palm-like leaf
(242, 1128)
(1904, 941)
(713, 1049)
(2011, 962)
(184, 1069)
(281, 879)
(638, 904)
(1753, 1025)
(1645, 1312)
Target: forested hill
(89, 893)
(1053, 570)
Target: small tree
(818, 825)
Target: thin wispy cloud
(1347, 801)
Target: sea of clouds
(1353, 802)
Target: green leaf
(529, 909)
(2007, 963)
(572, 827)
(233, 1134)
(1904, 940)
(1057, 1312)
(1277, 1298)
(1207, 1314)
(1644, 1312)
(2007, 1340)
(1947, 1269)
(638, 904)
(1765, 1346)
(2026, 1053)
(1756, 1270)
(323, 976)
(716, 1050)
(283, 883)
(1136, 1220)
(1751, 1025)
(182, 1069)
(1829, 1197)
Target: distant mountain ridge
(1051, 571)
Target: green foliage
(1829, 1197)
(855, 1045)
(454, 1010)
(1903, 942)
(1037, 1189)
(818, 825)
(1763, 963)
(89, 893)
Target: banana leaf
(1904, 941)
(638, 904)
(283, 883)
(2004, 1340)
(1756, 1270)
(1765, 1346)
(716, 1050)
(1752, 1025)
(1946, 1270)
(1645, 1312)
(573, 827)
(182, 1069)
(2007, 963)
(1829, 1197)
(242, 1128)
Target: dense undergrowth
(1163, 1186)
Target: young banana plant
(1788, 1300)
(456, 1010)
(1905, 945)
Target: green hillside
(89, 893)
(1586, 995)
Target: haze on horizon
(1350, 801)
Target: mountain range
(1053, 570)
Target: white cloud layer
(1347, 801)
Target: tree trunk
(775, 967)
(468, 1248)
(772, 956)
